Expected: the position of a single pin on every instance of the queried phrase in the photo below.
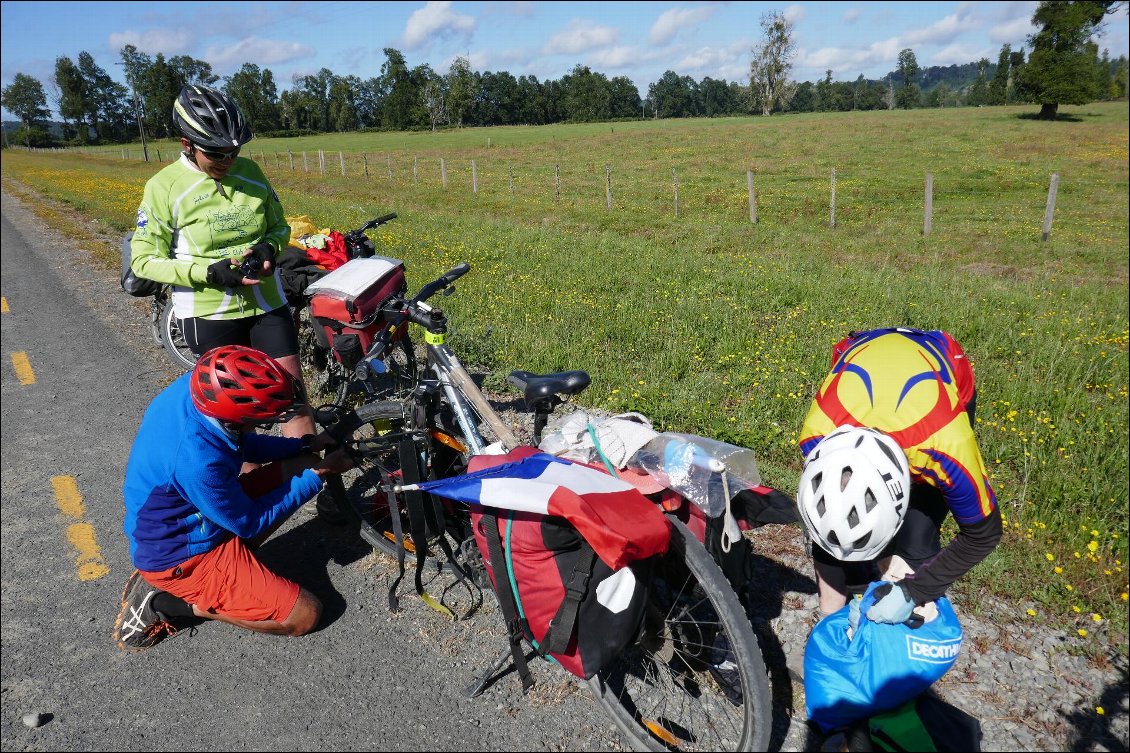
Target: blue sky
(639, 40)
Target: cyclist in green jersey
(211, 226)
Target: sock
(171, 606)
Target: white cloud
(730, 62)
(169, 42)
(847, 63)
(673, 21)
(262, 52)
(1013, 32)
(943, 31)
(615, 57)
(960, 54)
(436, 19)
(580, 36)
(794, 13)
(850, 16)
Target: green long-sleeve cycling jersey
(188, 221)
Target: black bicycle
(694, 679)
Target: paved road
(367, 680)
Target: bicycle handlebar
(372, 224)
(443, 281)
(397, 310)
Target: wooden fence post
(675, 180)
(608, 185)
(415, 162)
(290, 158)
(278, 164)
(443, 172)
(832, 215)
(1052, 189)
(305, 163)
(752, 197)
(556, 183)
(388, 161)
(341, 156)
(928, 221)
(510, 174)
(475, 176)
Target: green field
(710, 324)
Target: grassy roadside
(709, 324)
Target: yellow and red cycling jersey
(915, 386)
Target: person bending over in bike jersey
(193, 520)
(204, 216)
(889, 453)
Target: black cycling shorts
(273, 333)
(918, 539)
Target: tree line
(1063, 67)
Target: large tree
(255, 92)
(25, 99)
(1060, 68)
(461, 90)
(908, 94)
(998, 87)
(71, 97)
(770, 88)
(674, 96)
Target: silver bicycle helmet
(209, 118)
(854, 491)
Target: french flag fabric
(619, 523)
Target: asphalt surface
(367, 679)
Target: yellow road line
(88, 563)
(67, 496)
(4, 304)
(23, 368)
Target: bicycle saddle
(538, 387)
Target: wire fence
(850, 199)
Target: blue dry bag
(879, 667)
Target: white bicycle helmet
(854, 492)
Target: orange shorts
(229, 580)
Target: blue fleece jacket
(182, 490)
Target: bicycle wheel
(696, 679)
(157, 305)
(174, 339)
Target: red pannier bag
(345, 304)
(570, 604)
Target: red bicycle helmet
(237, 384)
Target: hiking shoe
(139, 625)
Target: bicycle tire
(157, 306)
(668, 691)
(174, 342)
(365, 506)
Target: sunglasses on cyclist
(217, 156)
